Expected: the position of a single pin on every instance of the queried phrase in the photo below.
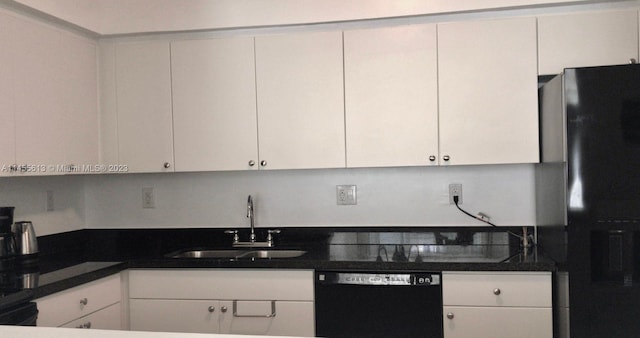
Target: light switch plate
(346, 195)
(148, 198)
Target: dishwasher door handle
(271, 315)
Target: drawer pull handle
(271, 315)
(211, 309)
(86, 325)
(496, 291)
(84, 301)
(450, 315)
(223, 309)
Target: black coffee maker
(7, 240)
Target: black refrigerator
(589, 181)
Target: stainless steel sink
(238, 254)
(206, 254)
(270, 253)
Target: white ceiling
(114, 17)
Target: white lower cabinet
(105, 319)
(497, 304)
(237, 301)
(92, 305)
(174, 315)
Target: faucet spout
(250, 217)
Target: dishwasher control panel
(415, 279)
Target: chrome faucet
(252, 239)
(250, 217)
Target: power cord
(455, 201)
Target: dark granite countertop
(110, 251)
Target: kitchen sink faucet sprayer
(250, 217)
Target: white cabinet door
(271, 318)
(143, 81)
(497, 322)
(214, 104)
(488, 92)
(300, 100)
(391, 96)
(109, 318)
(174, 315)
(39, 88)
(7, 104)
(81, 103)
(587, 39)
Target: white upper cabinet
(81, 103)
(143, 91)
(488, 92)
(39, 92)
(300, 100)
(587, 39)
(391, 96)
(7, 105)
(214, 104)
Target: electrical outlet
(346, 195)
(148, 198)
(49, 204)
(455, 189)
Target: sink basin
(239, 254)
(206, 254)
(273, 254)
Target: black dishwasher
(378, 304)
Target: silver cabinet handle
(224, 309)
(86, 325)
(263, 163)
(166, 165)
(446, 157)
(633, 61)
(432, 158)
(211, 309)
(252, 163)
(271, 315)
(450, 315)
(84, 301)
(496, 291)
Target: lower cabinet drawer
(68, 305)
(523, 289)
(497, 322)
(108, 318)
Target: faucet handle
(236, 238)
(270, 235)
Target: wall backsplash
(415, 196)
(29, 196)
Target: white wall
(386, 197)
(28, 196)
